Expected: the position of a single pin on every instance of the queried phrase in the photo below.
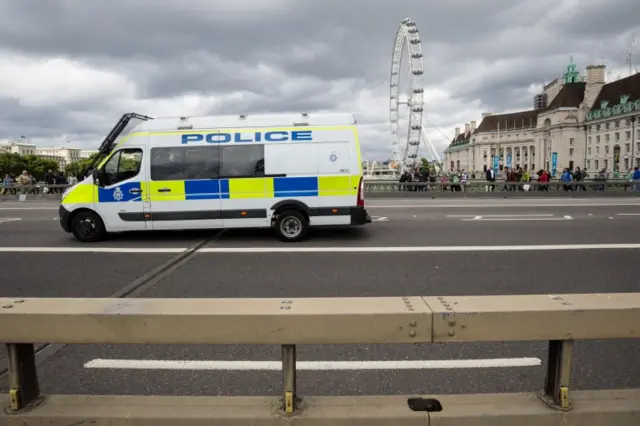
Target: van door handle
(164, 190)
(135, 191)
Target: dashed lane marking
(9, 219)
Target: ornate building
(571, 125)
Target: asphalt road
(254, 270)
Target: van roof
(244, 121)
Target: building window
(589, 140)
(589, 151)
(617, 123)
(617, 136)
(598, 139)
(607, 125)
(597, 165)
(607, 137)
(570, 151)
(598, 128)
(627, 135)
(571, 141)
(627, 147)
(588, 164)
(606, 149)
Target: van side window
(185, 163)
(242, 161)
(123, 165)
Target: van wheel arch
(285, 205)
(100, 221)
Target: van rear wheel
(291, 226)
(87, 227)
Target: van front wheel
(291, 226)
(87, 227)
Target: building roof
(611, 92)
(512, 121)
(570, 96)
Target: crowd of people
(511, 179)
(26, 183)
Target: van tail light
(361, 192)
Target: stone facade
(586, 124)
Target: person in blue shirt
(566, 178)
(636, 179)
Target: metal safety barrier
(558, 319)
(485, 186)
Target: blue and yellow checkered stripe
(268, 187)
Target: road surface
(413, 247)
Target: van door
(246, 192)
(122, 199)
(185, 188)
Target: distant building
(86, 153)
(555, 133)
(64, 156)
(612, 131)
(15, 147)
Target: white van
(285, 171)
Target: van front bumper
(64, 218)
(359, 216)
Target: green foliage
(16, 163)
(78, 168)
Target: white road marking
(135, 364)
(379, 219)
(516, 219)
(477, 218)
(628, 214)
(89, 249)
(417, 249)
(28, 208)
(567, 217)
(339, 249)
(9, 219)
(497, 206)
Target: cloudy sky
(70, 68)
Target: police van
(285, 171)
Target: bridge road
(371, 267)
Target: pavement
(413, 247)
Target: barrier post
(556, 387)
(289, 377)
(23, 377)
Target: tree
(424, 165)
(14, 164)
(78, 168)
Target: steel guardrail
(559, 319)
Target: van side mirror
(96, 176)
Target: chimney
(595, 82)
(467, 128)
(457, 131)
(473, 126)
(486, 114)
(595, 74)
